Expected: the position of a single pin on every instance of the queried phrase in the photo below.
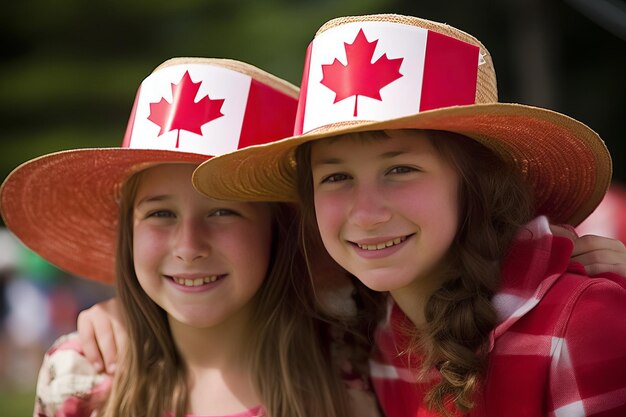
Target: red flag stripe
(131, 121)
(450, 72)
(303, 90)
(270, 124)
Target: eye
(221, 212)
(161, 214)
(335, 178)
(401, 169)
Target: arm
(102, 334)
(68, 384)
(588, 371)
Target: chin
(375, 283)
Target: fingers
(613, 248)
(88, 341)
(102, 335)
(564, 230)
(120, 335)
(600, 254)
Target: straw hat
(64, 205)
(377, 72)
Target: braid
(493, 204)
(460, 316)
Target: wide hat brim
(64, 206)
(566, 164)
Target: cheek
(328, 211)
(147, 248)
(449, 203)
(432, 205)
(441, 211)
(255, 272)
(251, 247)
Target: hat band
(206, 109)
(383, 70)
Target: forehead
(379, 142)
(164, 170)
(166, 174)
(174, 181)
(160, 179)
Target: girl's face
(387, 209)
(201, 260)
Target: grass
(16, 403)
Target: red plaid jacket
(559, 348)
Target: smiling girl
(422, 185)
(220, 313)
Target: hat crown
(209, 107)
(486, 85)
(376, 67)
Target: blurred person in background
(609, 218)
(38, 303)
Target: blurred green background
(70, 69)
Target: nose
(191, 241)
(369, 208)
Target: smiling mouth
(382, 245)
(196, 282)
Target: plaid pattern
(559, 349)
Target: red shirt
(559, 348)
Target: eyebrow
(327, 161)
(152, 199)
(336, 161)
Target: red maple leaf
(360, 77)
(184, 113)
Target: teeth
(195, 282)
(383, 245)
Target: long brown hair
(359, 327)
(493, 204)
(292, 368)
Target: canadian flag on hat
(204, 109)
(383, 70)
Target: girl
(418, 225)
(421, 185)
(220, 316)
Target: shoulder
(574, 302)
(566, 311)
(587, 299)
(595, 308)
(566, 352)
(589, 351)
(68, 384)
